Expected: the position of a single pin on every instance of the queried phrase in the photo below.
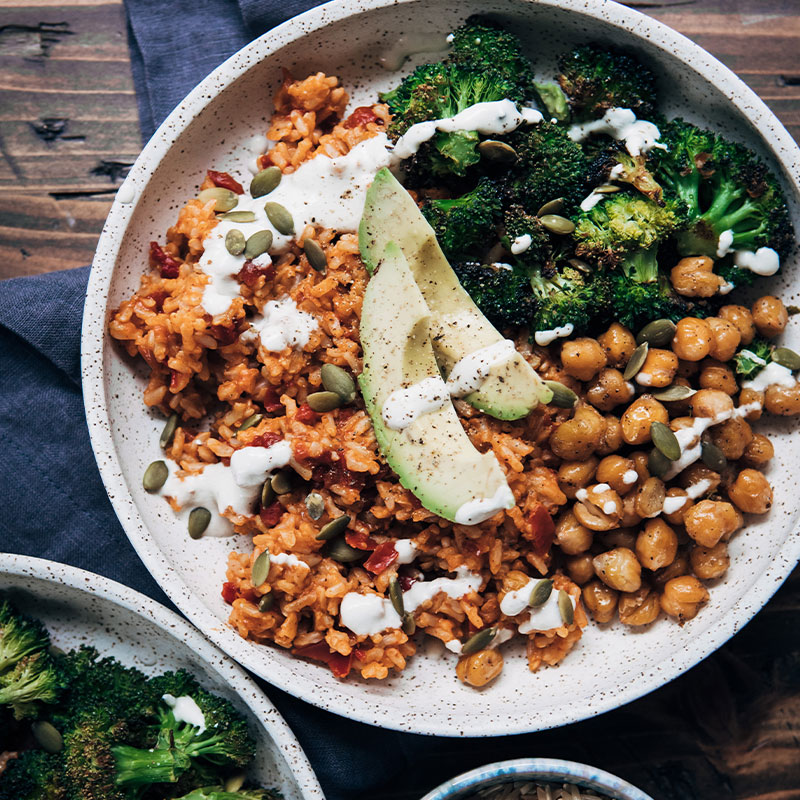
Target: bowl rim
(177, 628)
(369, 709)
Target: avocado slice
(510, 388)
(431, 454)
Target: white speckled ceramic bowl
(610, 667)
(546, 770)
(79, 607)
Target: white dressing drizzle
(724, 243)
(543, 618)
(630, 476)
(185, 709)
(406, 551)
(283, 325)
(403, 406)
(621, 124)
(469, 372)
(287, 559)
(771, 375)
(544, 338)
(521, 244)
(479, 510)
(726, 288)
(765, 260)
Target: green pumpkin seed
(409, 624)
(280, 218)
(340, 551)
(199, 520)
(636, 361)
(396, 596)
(580, 265)
(565, 607)
(252, 420)
(315, 503)
(540, 593)
(786, 358)
(479, 641)
(713, 457)
(155, 476)
(282, 482)
(266, 602)
(324, 401)
(657, 333)
(563, 396)
(333, 528)
(315, 255)
(168, 434)
(260, 571)
(239, 216)
(267, 493)
(47, 736)
(497, 152)
(551, 207)
(657, 463)
(665, 440)
(674, 392)
(335, 379)
(224, 199)
(265, 181)
(235, 242)
(258, 244)
(556, 224)
(607, 188)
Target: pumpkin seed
(315, 255)
(235, 242)
(199, 520)
(155, 476)
(657, 463)
(252, 420)
(498, 152)
(540, 593)
(335, 379)
(258, 244)
(239, 216)
(786, 358)
(168, 434)
(260, 571)
(281, 482)
(556, 224)
(657, 333)
(267, 493)
(551, 207)
(224, 199)
(265, 181)
(580, 265)
(396, 596)
(565, 607)
(607, 188)
(665, 440)
(324, 401)
(266, 602)
(674, 392)
(47, 736)
(280, 218)
(563, 396)
(409, 624)
(713, 457)
(636, 361)
(333, 528)
(340, 551)
(479, 641)
(315, 504)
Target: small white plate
(79, 607)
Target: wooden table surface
(730, 728)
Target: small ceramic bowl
(545, 770)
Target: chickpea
(574, 475)
(709, 562)
(612, 436)
(638, 417)
(783, 400)
(673, 494)
(571, 536)
(714, 375)
(609, 389)
(677, 407)
(732, 437)
(683, 597)
(753, 399)
(694, 277)
(600, 600)
(680, 566)
(618, 472)
(582, 358)
(480, 668)
(751, 492)
(640, 458)
(577, 438)
(700, 473)
(688, 369)
(742, 319)
(659, 368)
(710, 403)
(656, 545)
(769, 316)
(757, 453)
(650, 498)
(580, 568)
(599, 509)
(619, 569)
(515, 579)
(725, 338)
(621, 537)
(639, 608)
(692, 340)
(618, 343)
(708, 521)
(629, 517)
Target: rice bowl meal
(468, 361)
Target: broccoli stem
(642, 265)
(135, 767)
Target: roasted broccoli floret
(32, 775)
(503, 295)
(596, 78)
(553, 101)
(466, 226)
(218, 793)
(523, 230)
(614, 164)
(751, 360)
(735, 276)
(725, 187)
(20, 636)
(568, 296)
